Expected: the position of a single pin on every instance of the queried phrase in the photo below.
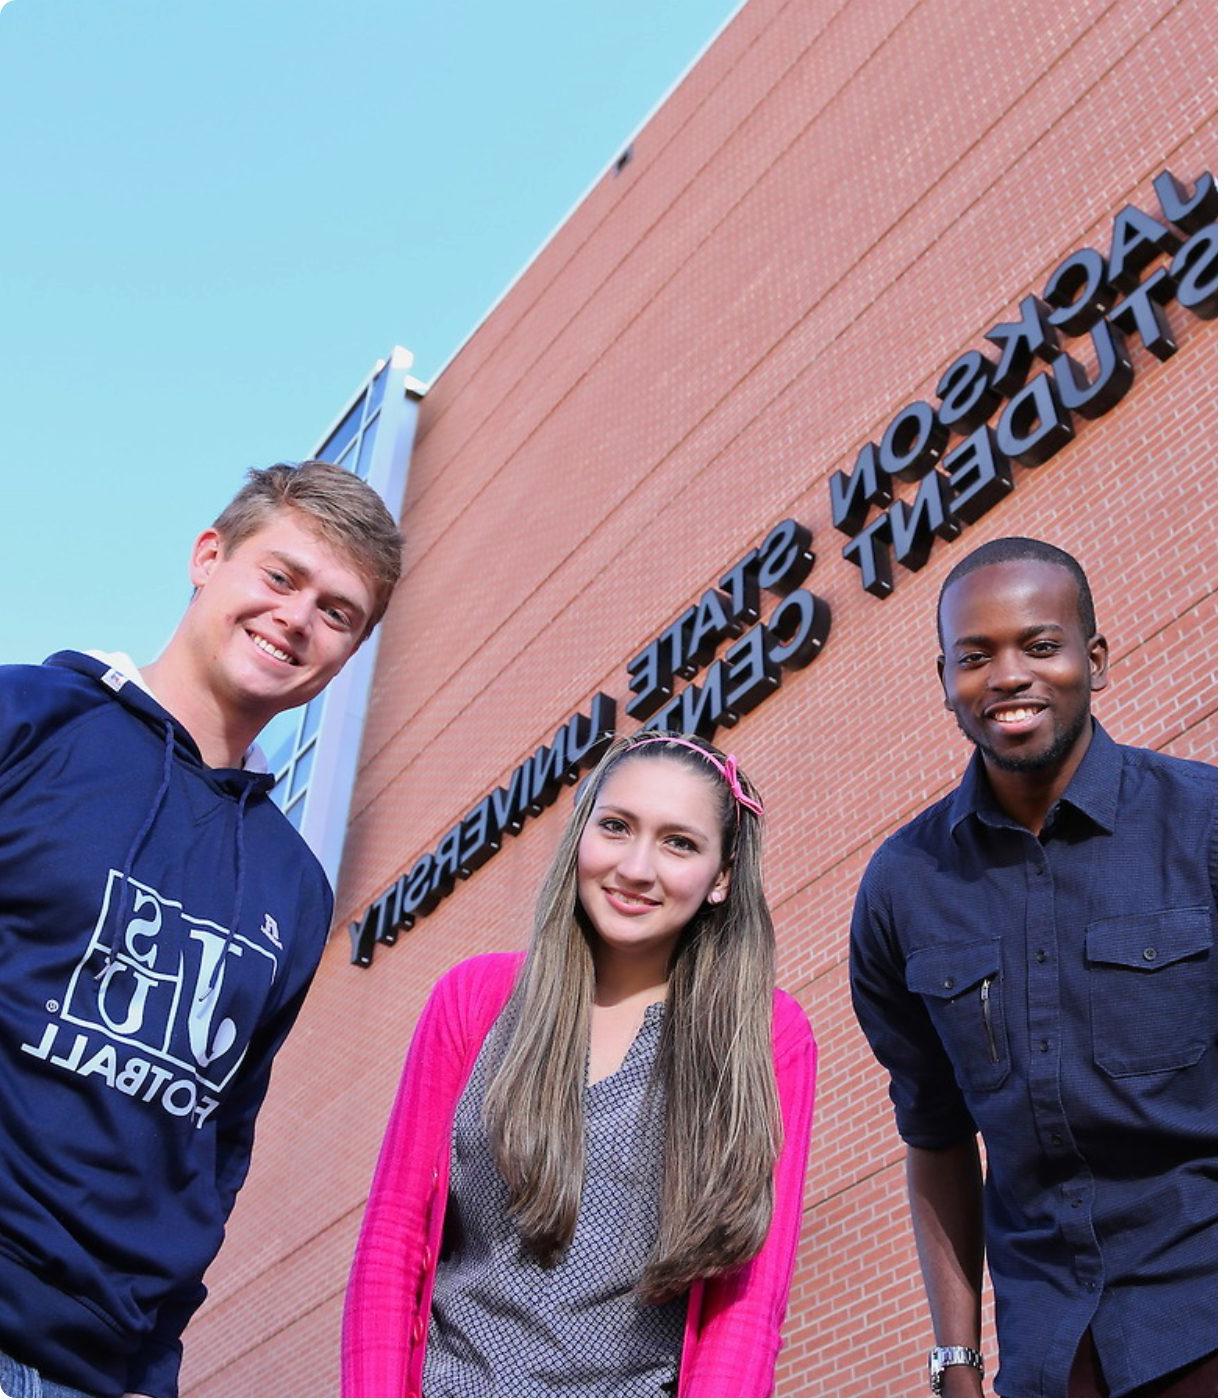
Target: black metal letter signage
(750, 669)
(1196, 269)
(866, 486)
(578, 743)
(1109, 297)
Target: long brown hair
(714, 1076)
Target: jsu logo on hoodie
(173, 986)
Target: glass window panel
(301, 771)
(310, 722)
(279, 737)
(367, 449)
(378, 386)
(280, 791)
(343, 436)
(335, 451)
(294, 812)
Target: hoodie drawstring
(121, 902)
(240, 861)
(112, 950)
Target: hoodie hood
(121, 686)
(253, 761)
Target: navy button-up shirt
(1057, 995)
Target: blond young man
(160, 923)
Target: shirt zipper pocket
(990, 1035)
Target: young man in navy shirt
(1033, 959)
(160, 922)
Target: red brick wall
(840, 199)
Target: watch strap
(941, 1358)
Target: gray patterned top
(503, 1325)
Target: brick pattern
(837, 201)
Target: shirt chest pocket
(1152, 979)
(961, 984)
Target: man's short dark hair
(1012, 547)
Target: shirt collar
(1093, 789)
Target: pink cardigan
(734, 1323)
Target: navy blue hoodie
(160, 922)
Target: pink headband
(727, 767)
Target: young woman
(592, 1179)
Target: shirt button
(418, 1331)
(949, 983)
(1075, 1204)
(1056, 1139)
(1041, 955)
(1149, 955)
(1044, 1047)
(427, 1258)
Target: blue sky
(219, 215)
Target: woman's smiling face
(650, 855)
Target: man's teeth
(264, 645)
(1014, 716)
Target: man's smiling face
(274, 617)
(1017, 670)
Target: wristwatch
(943, 1357)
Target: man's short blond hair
(346, 512)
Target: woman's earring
(714, 897)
